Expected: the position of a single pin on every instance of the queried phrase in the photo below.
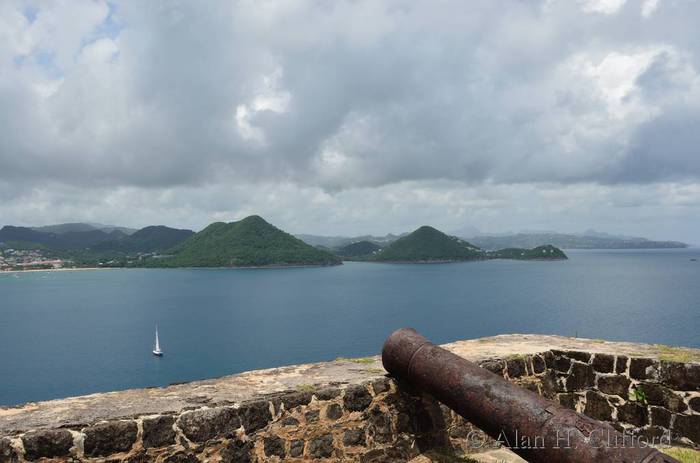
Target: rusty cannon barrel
(537, 429)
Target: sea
(67, 333)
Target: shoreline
(71, 269)
(67, 269)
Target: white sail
(156, 349)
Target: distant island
(572, 241)
(429, 245)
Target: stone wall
(348, 410)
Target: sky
(346, 117)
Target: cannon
(535, 428)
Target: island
(429, 245)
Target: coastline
(68, 269)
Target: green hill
(429, 245)
(359, 250)
(251, 242)
(155, 238)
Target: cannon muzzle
(535, 428)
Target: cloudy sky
(353, 116)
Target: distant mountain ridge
(590, 239)
(154, 238)
(340, 241)
(570, 241)
(65, 240)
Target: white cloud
(602, 6)
(649, 7)
(330, 105)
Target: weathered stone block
(274, 446)
(638, 367)
(660, 417)
(334, 411)
(621, 364)
(140, 456)
(494, 366)
(695, 404)
(321, 447)
(603, 363)
(562, 364)
(516, 367)
(584, 357)
(567, 400)
(597, 407)
(112, 437)
(632, 413)
(158, 432)
(202, 425)
(549, 359)
(47, 444)
(687, 426)
(614, 385)
(354, 436)
(328, 393)
(549, 384)
(680, 376)
(237, 451)
(296, 399)
(581, 377)
(659, 395)
(254, 415)
(311, 416)
(289, 421)
(538, 364)
(356, 398)
(7, 455)
(181, 456)
(296, 448)
(381, 385)
(379, 426)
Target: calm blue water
(71, 333)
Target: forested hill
(251, 242)
(427, 244)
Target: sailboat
(156, 350)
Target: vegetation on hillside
(250, 242)
(149, 239)
(427, 244)
(361, 250)
(430, 245)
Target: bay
(67, 333)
